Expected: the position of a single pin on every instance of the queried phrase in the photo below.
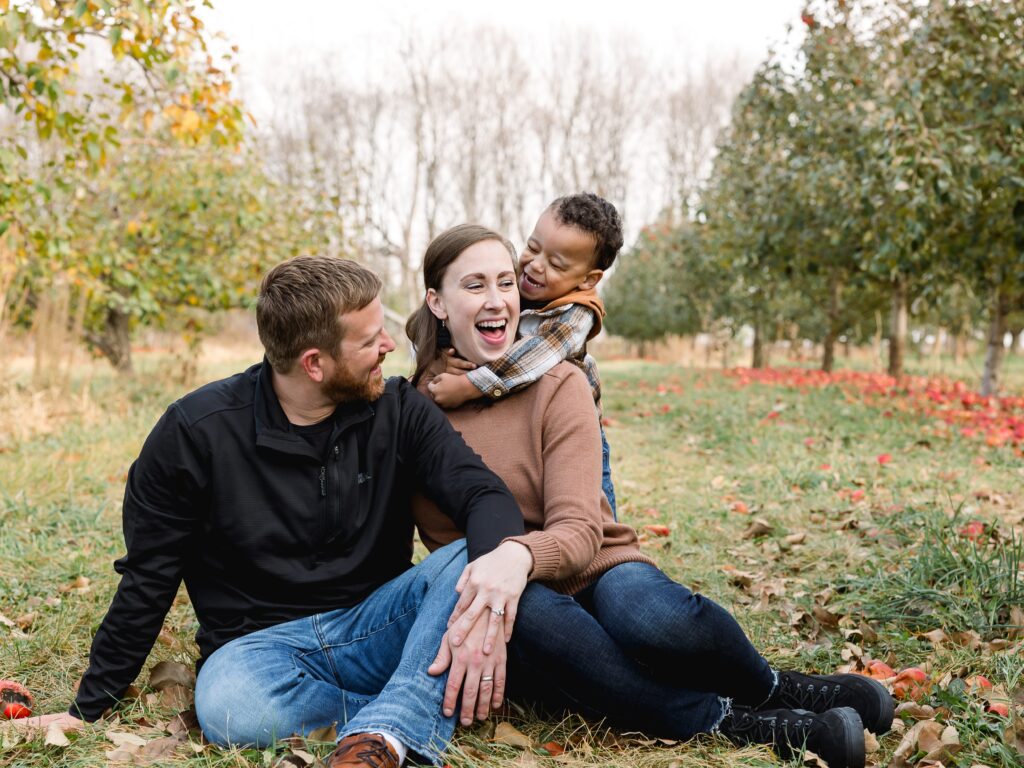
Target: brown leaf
(811, 760)
(168, 673)
(870, 742)
(122, 755)
(1017, 622)
(915, 710)
(935, 637)
(55, 737)
(183, 723)
(759, 527)
(176, 697)
(123, 738)
(329, 733)
(825, 617)
(506, 733)
(908, 746)
(158, 748)
(947, 745)
(795, 538)
(77, 587)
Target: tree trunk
(115, 341)
(898, 326)
(828, 357)
(641, 349)
(996, 333)
(758, 360)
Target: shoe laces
(816, 697)
(773, 729)
(375, 754)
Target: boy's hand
(450, 391)
(454, 364)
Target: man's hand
(491, 586)
(480, 676)
(451, 391)
(62, 720)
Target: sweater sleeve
(160, 515)
(559, 337)
(454, 477)
(571, 464)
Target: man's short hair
(597, 217)
(301, 302)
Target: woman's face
(479, 300)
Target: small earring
(444, 337)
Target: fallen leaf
(508, 734)
(870, 742)
(122, 738)
(553, 748)
(327, 734)
(759, 527)
(658, 530)
(916, 711)
(55, 736)
(176, 697)
(795, 538)
(168, 673)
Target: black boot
(836, 736)
(820, 693)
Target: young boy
(575, 240)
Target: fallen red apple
(16, 700)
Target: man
(280, 496)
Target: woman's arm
(571, 465)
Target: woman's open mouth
(493, 331)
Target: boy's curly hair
(597, 217)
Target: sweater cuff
(547, 555)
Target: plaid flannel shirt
(548, 338)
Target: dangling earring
(444, 337)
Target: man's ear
(591, 280)
(436, 304)
(311, 363)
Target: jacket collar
(274, 431)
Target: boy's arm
(558, 337)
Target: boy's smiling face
(558, 259)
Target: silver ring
(498, 611)
(487, 678)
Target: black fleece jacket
(227, 497)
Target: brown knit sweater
(544, 442)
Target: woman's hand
(491, 586)
(479, 675)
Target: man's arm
(159, 517)
(559, 337)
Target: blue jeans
(637, 649)
(364, 668)
(606, 474)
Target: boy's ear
(436, 304)
(592, 278)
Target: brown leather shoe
(365, 750)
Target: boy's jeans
(638, 649)
(364, 668)
(606, 474)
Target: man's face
(354, 372)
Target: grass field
(840, 530)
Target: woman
(600, 629)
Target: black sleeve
(455, 477)
(160, 512)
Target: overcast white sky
(358, 36)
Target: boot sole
(847, 721)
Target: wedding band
(498, 611)
(487, 678)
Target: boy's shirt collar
(587, 298)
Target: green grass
(687, 456)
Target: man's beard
(343, 386)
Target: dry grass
(64, 453)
